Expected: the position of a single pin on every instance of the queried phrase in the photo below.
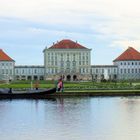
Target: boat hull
(35, 94)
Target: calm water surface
(71, 119)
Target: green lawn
(75, 86)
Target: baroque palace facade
(68, 59)
(72, 61)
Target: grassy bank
(102, 93)
(75, 86)
(82, 88)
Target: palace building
(29, 72)
(128, 64)
(7, 65)
(68, 59)
(72, 61)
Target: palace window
(29, 71)
(6, 71)
(62, 64)
(80, 70)
(68, 64)
(83, 70)
(48, 58)
(55, 70)
(2, 71)
(10, 71)
(108, 70)
(96, 70)
(83, 57)
(67, 56)
(56, 63)
(55, 57)
(74, 63)
(17, 71)
(35, 71)
(49, 71)
(124, 70)
(49, 63)
(102, 70)
(121, 70)
(52, 71)
(79, 56)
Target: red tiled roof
(4, 56)
(129, 54)
(67, 44)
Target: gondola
(28, 94)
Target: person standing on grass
(36, 85)
(60, 85)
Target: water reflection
(71, 119)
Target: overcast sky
(108, 27)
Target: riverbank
(81, 88)
(69, 94)
(98, 93)
(74, 86)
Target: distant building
(72, 61)
(104, 72)
(128, 64)
(29, 72)
(68, 59)
(7, 65)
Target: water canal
(111, 118)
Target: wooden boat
(29, 94)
